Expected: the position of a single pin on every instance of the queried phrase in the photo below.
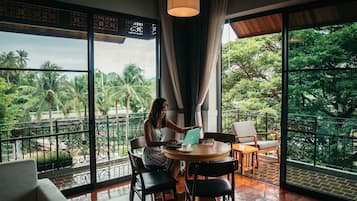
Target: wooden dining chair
(221, 137)
(137, 146)
(145, 182)
(212, 184)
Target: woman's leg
(174, 168)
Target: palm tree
(130, 87)
(47, 92)
(8, 60)
(78, 91)
(21, 61)
(22, 58)
(102, 94)
(114, 80)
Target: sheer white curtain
(215, 27)
(167, 36)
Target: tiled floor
(259, 187)
(246, 190)
(268, 171)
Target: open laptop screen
(192, 136)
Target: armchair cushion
(265, 144)
(19, 183)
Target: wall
(143, 8)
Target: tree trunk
(127, 120)
(50, 118)
(116, 113)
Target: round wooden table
(200, 152)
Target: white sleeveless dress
(155, 155)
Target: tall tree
(102, 93)
(21, 61)
(251, 70)
(8, 60)
(330, 91)
(131, 86)
(4, 102)
(45, 96)
(77, 91)
(22, 58)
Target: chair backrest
(243, 129)
(136, 162)
(137, 143)
(213, 169)
(209, 170)
(222, 137)
(18, 180)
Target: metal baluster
(57, 146)
(30, 147)
(7, 148)
(15, 150)
(0, 148)
(108, 142)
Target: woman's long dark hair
(155, 112)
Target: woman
(153, 153)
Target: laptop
(192, 136)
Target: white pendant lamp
(183, 8)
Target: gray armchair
(18, 182)
(246, 134)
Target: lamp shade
(183, 8)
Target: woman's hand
(190, 128)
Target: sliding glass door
(75, 87)
(125, 85)
(322, 94)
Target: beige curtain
(167, 36)
(215, 27)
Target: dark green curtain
(190, 40)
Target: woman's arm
(174, 127)
(148, 136)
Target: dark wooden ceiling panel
(316, 17)
(258, 26)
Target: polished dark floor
(259, 187)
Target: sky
(228, 34)
(72, 53)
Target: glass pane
(251, 80)
(125, 84)
(44, 117)
(322, 118)
(33, 51)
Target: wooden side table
(246, 156)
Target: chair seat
(156, 181)
(265, 144)
(154, 167)
(210, 187)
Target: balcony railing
(69, 145)
(263, 121)
(313, 140)
(316, 141)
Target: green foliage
(325, 92)
(48, 160)
(5, 100)
(328, 92)
(251, 74)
